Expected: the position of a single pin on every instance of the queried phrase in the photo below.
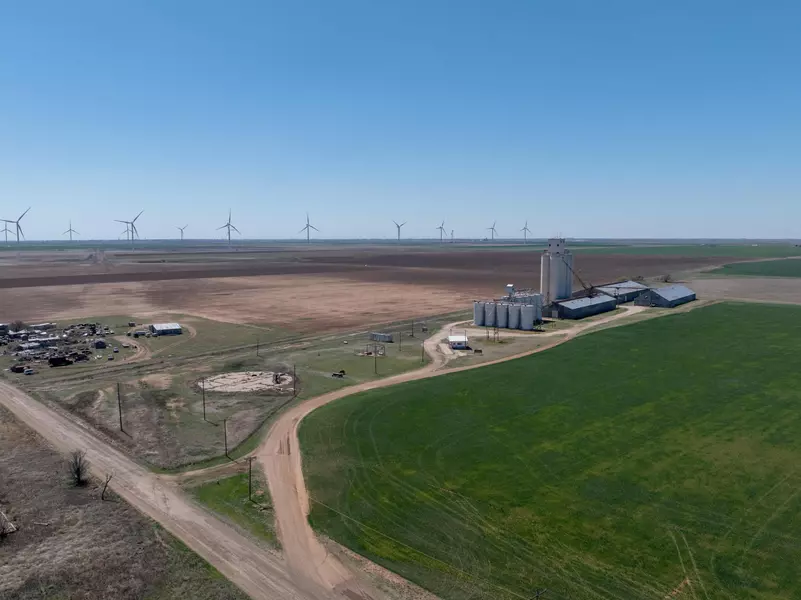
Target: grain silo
(489, 314)
(514, 316)
(527, 315)
(502, 315)
(556, 271)
(478, 313)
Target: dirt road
(280, 457)
(258, 572)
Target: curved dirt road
(258, 572)
(280, 457)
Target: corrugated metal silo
(566, 285)
(514, 316)
(489, 314)
(527, 315)
(502, 315)
(478, 313)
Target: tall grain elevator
(556, 272)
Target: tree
(16, 325)
(79, 468)
(667, 278)
(103, 493)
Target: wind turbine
(399, 225)
(229, 226)
(451, 236)
(6, 230)
(492, 230)
(70, 231)
(17, 226)
(441, 230)
(181, 229)
(525, 231)
(309, 227)
(130, 228)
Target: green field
(229, 497)
(722, 250)
(767, 268)
(617, 465)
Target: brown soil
(301, 290)
(755, 289)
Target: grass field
(767, 268)
(618, 465)
(229, 498)
(723, 250)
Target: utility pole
(375, 358)
(400, 341)
(225, 437)
(203, 387)
(257, 345)
(539, 592)
(119, 404)
(422, 353)
(294, 380)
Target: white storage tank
(528, 312)
(502, 315)
(514, 316)
(478, 313)
(489, 314)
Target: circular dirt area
(249, 381)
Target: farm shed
(666, 297)
(581, 308)
(166, 329)
(457, 342)
(623, 291)
(99, 344)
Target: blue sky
(593, 119)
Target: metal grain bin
(528, 313)
(502, 315)
(489, 314)
(514, 316)
(478, 313)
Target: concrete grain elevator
(556, 272)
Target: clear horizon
(621, 121)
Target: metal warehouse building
(623, 291)
(666, 297)
(585, 307)
(166, 329)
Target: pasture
(642, 461)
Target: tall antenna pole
(119, 404)
(203, 388)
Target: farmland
(766, 268)
(628, 463)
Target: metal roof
(622, 287)
(457, 339)
(674, 292)
(582, 302)
(158, 326)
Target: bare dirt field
(70, 544)
(300, 289)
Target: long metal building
(581, 308)
(666, 297)
(623, 291)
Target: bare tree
(79, 467)
(105, 485)
(667, 278)
(16, 325)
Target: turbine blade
(76, 232)
(313, 227)
(19, 229)
(304, 229)
(402, 224)
(137, 216)
(23, 214)
(223, 227)
(235, 229)
(118, 221)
